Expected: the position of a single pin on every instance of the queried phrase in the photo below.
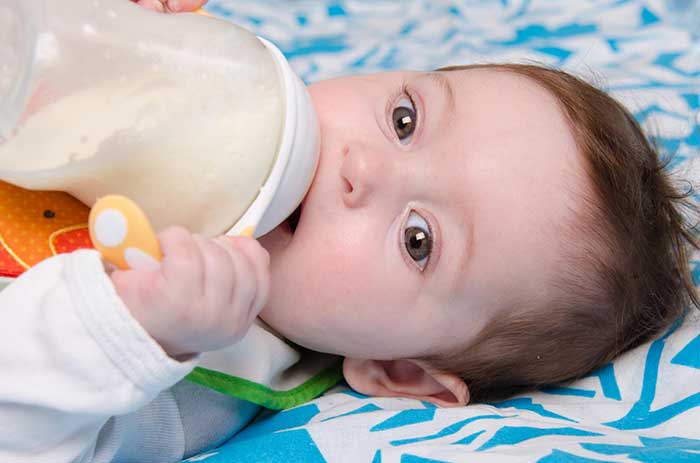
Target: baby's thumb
(155, 5)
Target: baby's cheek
(333, 271)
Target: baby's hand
(174, 6)
(205, 295)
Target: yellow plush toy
(35, 225)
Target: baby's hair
(626, 274)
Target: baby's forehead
(494, 103)
(517, 131)
(503, 86)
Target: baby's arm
(72, 355)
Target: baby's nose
(363, 172)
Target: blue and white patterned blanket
(645, 406)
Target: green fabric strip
(262, 395)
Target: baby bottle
(197, 120)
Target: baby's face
(434, 208)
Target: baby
(470, 233)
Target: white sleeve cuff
(110, 323)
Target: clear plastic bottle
(188, 115)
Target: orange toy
(35, 225)
(121, 232)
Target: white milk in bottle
(182, 113)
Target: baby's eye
(418, 239)
(405, 118)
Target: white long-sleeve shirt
(83, 381)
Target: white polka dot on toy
(117, 225)
(110, 227)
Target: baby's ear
(405, 378)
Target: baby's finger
(219, 275)
(260, 262)
(182, 265)
(184, 5)
(240, 310)
(245, 291)
(155, 5)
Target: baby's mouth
(282, 235)
(293, 219)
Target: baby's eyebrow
(445, 86)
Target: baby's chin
(277, 243)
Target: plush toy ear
(405, 378)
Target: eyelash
(434, 234)
(403, 91)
